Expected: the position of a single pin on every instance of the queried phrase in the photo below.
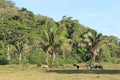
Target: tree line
(27, 38)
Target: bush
(58, 62)
(34, 57)
(14, 59)
(106, 57)
(115, 60)
(70, 60)
(3, 61)
(80, 54)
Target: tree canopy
(36, 39)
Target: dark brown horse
(77, 66)
(99, 67)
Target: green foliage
(37, 37)
(3, 61)
(70, 60)
(14, 59)
(115, 60)
(80, 54)
(34, 57)
(104, 54)
(89, 63)
(3, 53)
(59, 62)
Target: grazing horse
(99, 67)
(77, 66)
(96, 67)
(46, 67)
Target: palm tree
(51, 38)
(93, 41)
(18, 40)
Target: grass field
(14, 72)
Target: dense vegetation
(27, 38)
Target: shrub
(70, 60)
(58, 62)
(3, 61)
(115, 60)
(35, 58)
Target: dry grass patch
(14, 72)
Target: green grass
(31, 72)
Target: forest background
(27, 38)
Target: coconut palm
(51, 38)
(93, 41)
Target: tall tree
(73, 27)
(93, 41)
(51, 39)
(19, 41)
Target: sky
(101, 15)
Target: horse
(99, 67)
(96, 67)
(77, 66)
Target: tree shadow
(86, 71)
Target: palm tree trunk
(20, 58)
(8, 54)
(53, 58)
(94, 59)
(94, 53)
(47, 58)
(63, 54)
